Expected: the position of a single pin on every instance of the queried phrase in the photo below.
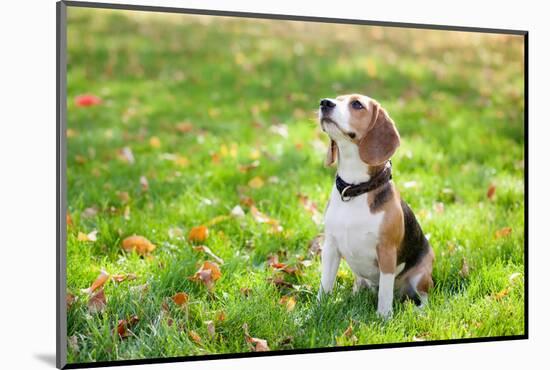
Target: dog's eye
(356, 104)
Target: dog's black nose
(326, 105)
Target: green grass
(456, 98)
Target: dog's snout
(326, 105)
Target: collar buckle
(343, 194)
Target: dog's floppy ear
(332, 153)
(381, 139)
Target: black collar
(348, 191)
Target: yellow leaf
(256, 182)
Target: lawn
(200, 115)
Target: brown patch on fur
(391, 231)
(332, 153)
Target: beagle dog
(366, 221)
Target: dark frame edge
(61, 238)
(526, 182)
(227, 13)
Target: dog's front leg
(330, 260)
(387, 256)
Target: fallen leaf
(465, 269)
(119, 278)
(72, 343)
(70, 299)
(139, 244)
(205, 249)
(262, 218)
(256, 182)
(180, 299)
(244, 168)
(257, 344)
(245, 291)
(315, 246)
(198, 234)
(280, 282)
(124, 325)
(246, 201)
(237, 212)
(347, 337)
(69, 219)
(97, 302)
(184, 127)
(90, 212)
(98, 282)
(195, 337)
(288, 301)
(208, 273)
(210, 328)
(87, 100)
(154, 141)
(217, 220)
(144, 183)
(505, 231)
(90, 237)
(310, 207)
(500, 295)
(491, 191)
(220, 316)
(125, 154)
(123, 196)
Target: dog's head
(361, 120)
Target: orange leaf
(180, 299)
(503, 293)
(257, 344)
(256, 183)
(70, 299)
(220, 316)
(505, 231)
(491, 191)
(195, 337)
(97, 302)
(289, 302)
(154, 141)
(69, 219)
(198, 234)
(139, 244)
(124, 325)
(208, 273)
(184, 127)
(98, 282)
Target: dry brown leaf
(72, 342)
(195, 337)
(208, 273)
(245, 291)
(205, 249)
(124, 325)
(289, 302)
(139, 244)
(90, 237)
(505, 231)
(220, 316)
(119, 278)
(98, 282)
(180, 299)
(465, 269)
(97, 302)
(126, 155)
(70, 299)
(123, 196)
(280, 282)
(69, 219)
(257, 344)
(491, 191)
(198, 234)
(210, 328)
(90, 212)
(256, 182)
(315, 246)
(262, 218)
(144, 183)
(184, 127)
(244, 168)
(500, 295)
(154, 141)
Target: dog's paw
(384, 312)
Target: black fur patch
(381, 197)
(415, 245)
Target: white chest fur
(354, 232)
